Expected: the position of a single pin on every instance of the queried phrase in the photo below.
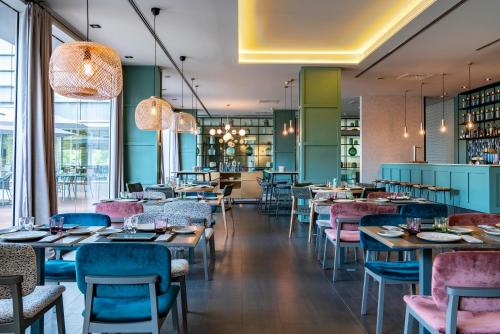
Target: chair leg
(408, 329)
(380, 307)
(364, 298)
(175, 318)
(61, 328)
(336, 261)
(212, 247)
(292, 223)
(324, 253)
(182, 281)
(232, 217)
(223, 209)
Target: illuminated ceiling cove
(328, 32)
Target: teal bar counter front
(473, 187)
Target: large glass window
(8, 66)
(82, 151)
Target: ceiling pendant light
(470, 123)
(86, 70)
(184, 122)
(422, 129)
(443, 125)
(290, 127)
(405, 133)
(154, 113)
(285, 131)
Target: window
(8, 77)
(82, 151)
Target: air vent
(269, 101)
(415, 76)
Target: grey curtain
(116, 183)
(35, 180)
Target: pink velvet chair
(465, 295)
(118, 211)
(347, 216)
(380, 194)
(473, 219)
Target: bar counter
(473, 187)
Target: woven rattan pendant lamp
(154, 113)
(86, 70)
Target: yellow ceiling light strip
(394, 20)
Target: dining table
(68, 241)
(425, 249)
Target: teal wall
(187, 146)
(284, 146)
(473, 187)
(140, 147)
(319, 115)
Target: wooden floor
(264, 282)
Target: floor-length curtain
(116, 183)
(35, 180)
(170, 153)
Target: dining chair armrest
(119, 280)
(11, 280)
(473, 292)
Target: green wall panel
(187, 147)
(284, 146)
(140, 147)
(319, 140)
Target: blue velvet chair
(384, 272)
(59, 270)
(424, 211)
(127, 287)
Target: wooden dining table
(72, 242)
(425, 249)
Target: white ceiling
(206, 32)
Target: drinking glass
(414, 225)
(128, 225)
(56, 225)
(441, 224)
(161, 225)
(26, 223)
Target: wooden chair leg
(292, 219)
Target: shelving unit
(253, 151)
(482, 106)
(350, 149)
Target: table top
(371, 201)
(278, 172)
(195, 189)
(412, 242)
(191, 172)
(73, 241)
(335, 190)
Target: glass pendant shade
(242, 132)
(422, 130)
(405, 134)
(212, 132)
(86, 70)
(185, 122)
(227, 136)
(154, 114)
(290, 128)
(443, 126)
(219, 131)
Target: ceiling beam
(165, 51)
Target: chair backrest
(228, 189)
(134, 187)
(370, 190)
(173, 219)
(123, 260)
(472, 269)
(119, 210)
(192, 209)
(424, 210)
(358, 209)
(380, 194)
(166, 190)
(18, 259)
(150, 194)
(474, 219)
(367, 242)
(85, 219)
(302, 192)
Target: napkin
(470, 239)
(165, 237)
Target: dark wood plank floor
(264, 282)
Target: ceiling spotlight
(380, 78)
(129, 57)
(487, 79)
(95, 26)
(464, 87)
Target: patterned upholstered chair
(59, 270)
(127, 287)
(21, 301)
(153, 195)
(349, 214)
(384, 272)
(118, 211)
(465, 295)
(200, 213)
(473, 219)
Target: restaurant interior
(250, 166)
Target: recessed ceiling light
(95, 26)
(167, 76)
(487, 79)
(464, 87)
(380, 78)
(174, 99)
(129, 57)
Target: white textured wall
(439, 146)
(382, 121)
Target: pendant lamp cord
(154, 67)
(182, 85)
(192, 95)
(406, 91)
(422, 102)
(442, 89)
(87, 20)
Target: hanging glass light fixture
(422, 129)
(470, 123)
(285, 131)
(405, 133)
(86, 70)
(443, 124)
(290, 127)
(154, 113)
(184, 122)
